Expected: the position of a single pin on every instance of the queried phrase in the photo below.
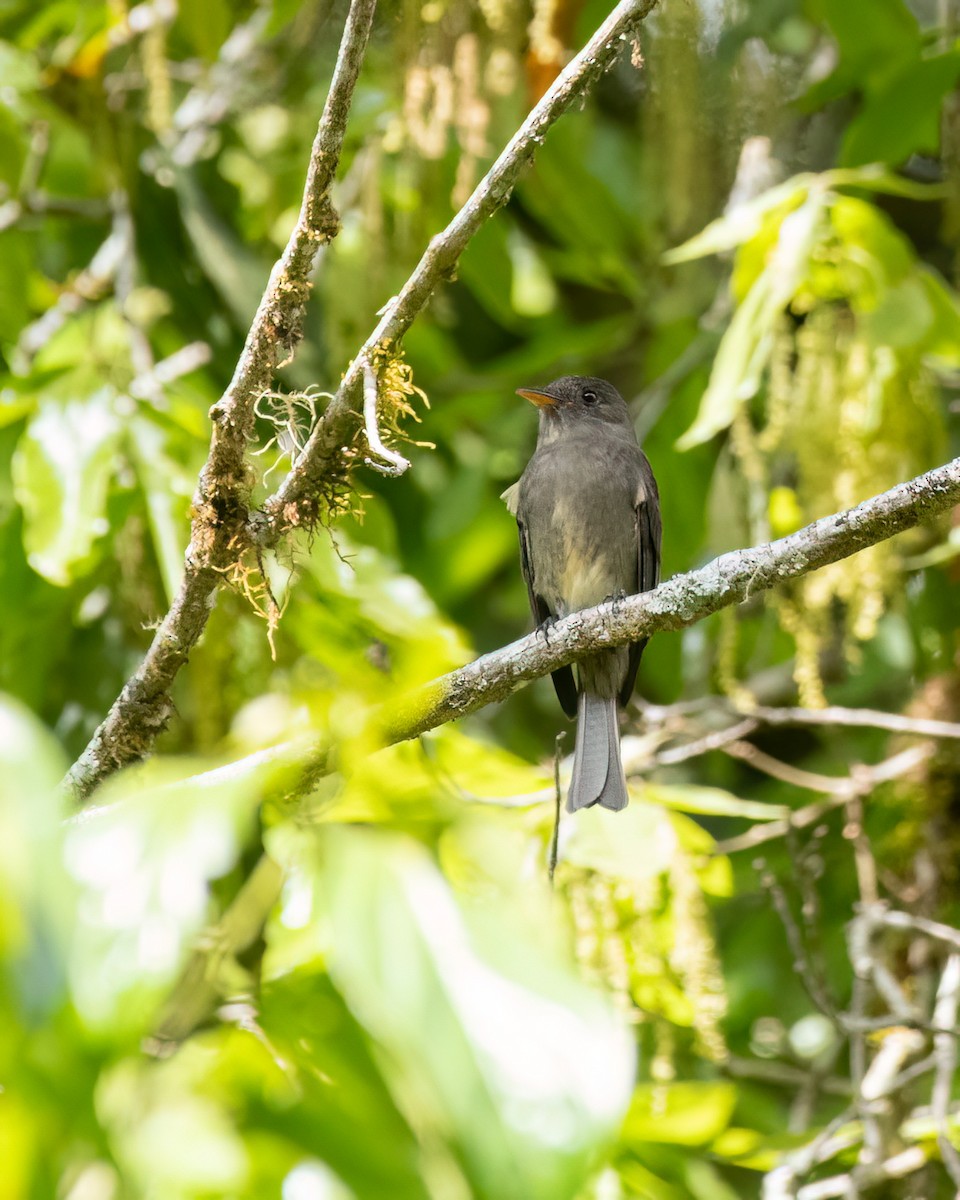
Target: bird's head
(577, 401)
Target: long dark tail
(597, 770)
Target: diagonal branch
(439, 262)
(143, 708)
(679, 602)
(222, 525)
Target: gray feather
(597, 770)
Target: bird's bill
(537, 397)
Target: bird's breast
(577, 504)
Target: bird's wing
(563, 681)
(649, 528)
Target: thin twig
(393, 463)
(857, 718)
(719, 739)
(187, 359)
(893, 919)
(558, 802)
(802, 965)
(781, 1074)
(883, 772)
(89, 284)
(143, 708)
(830, 785)
(869, 1175)
(781, 1182)
(945, 1054)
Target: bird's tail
(597, 770)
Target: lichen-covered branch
(679, 602)
(218, 533)
(323, 450)
(222, 525)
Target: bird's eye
(589, 397)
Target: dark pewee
(588, 512)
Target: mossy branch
(222, 526)
(218, 533)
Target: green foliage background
(423, 1016)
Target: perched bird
(588, 512)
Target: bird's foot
(616, 599)
(545, 626)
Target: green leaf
(16, 264)
(745, 348)
(143, 859)
(344, 1112)
(742, 222)
(522, 1073)
(61, 471)
(872, 32)
(904, 116)
(13, 408)
(166, 1135)
(639, 845)
(684, 1113)
(943, 336)
(166, 509)
(36, 900)
(903, 318)
(712, 802)
(206, 25)
(875, 38)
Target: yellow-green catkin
(844, 419)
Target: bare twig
(89, 284)
(830, 785)
(719, 739)
(780, 1074)
(558, 807)
(393, 463)
(883, 772)
(150, 385)
(868, 1175)
(855, 832)
(219, 527)
(781, 1183)
(858, 718)
(945, 1054)
(802, 964)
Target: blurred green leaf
(206, 27)
(61, 470)
(143, 859)
(523, 1081)
(743, 221)
(166, 508)
(903, 116)
(685, 1113)
(875, 37)
(713, 802)
(745, 348)
(36, 901)
(16, 263)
